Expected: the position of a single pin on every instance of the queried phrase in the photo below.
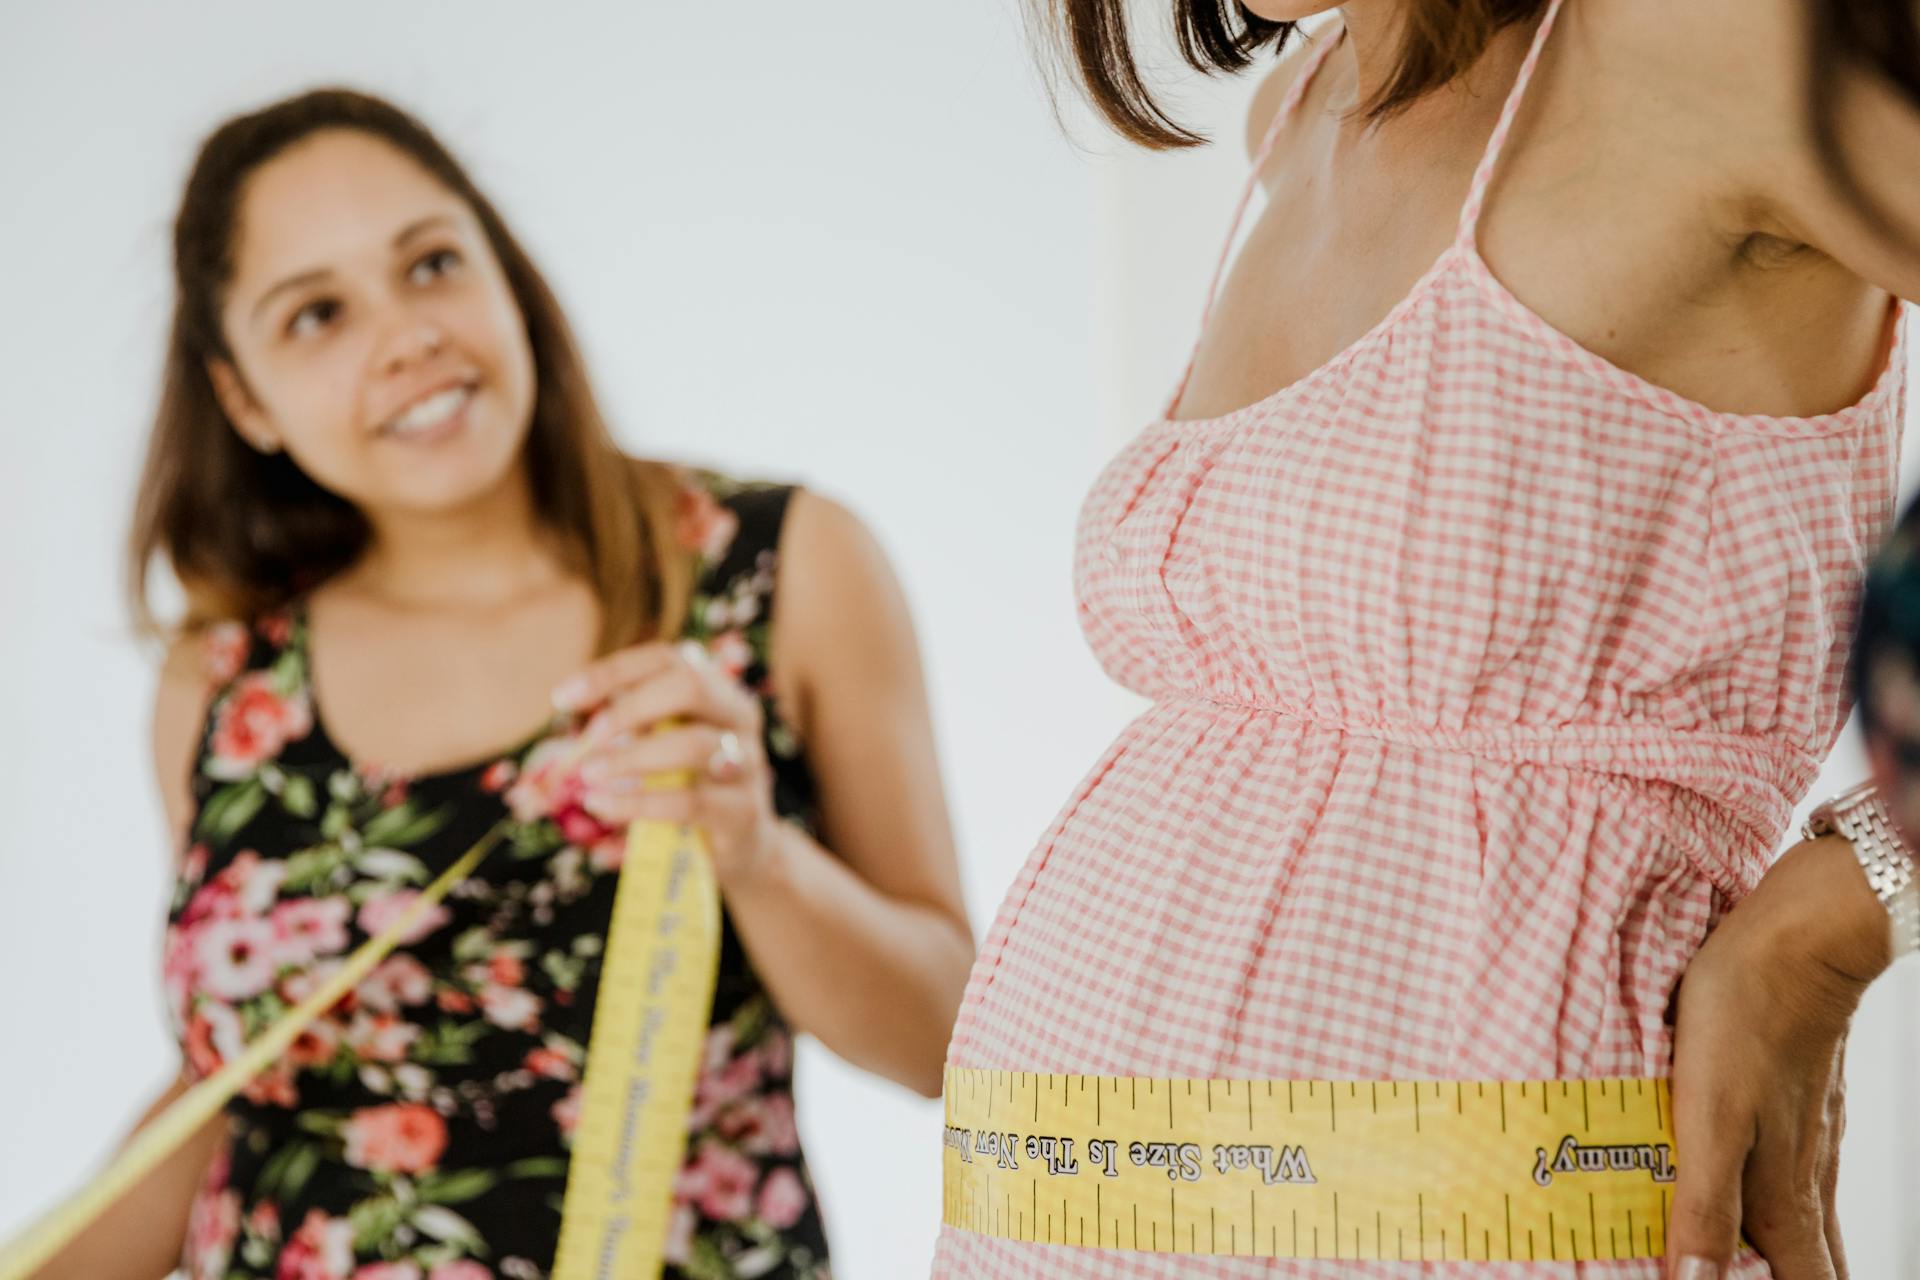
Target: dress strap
(1282, 114)
(1483, 176)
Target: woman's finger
(622, 762)
(1714, 1129)
(1836, 1129)
(600, 679)
(680, 691)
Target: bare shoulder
(1277, 82)
(831, 563)
(1732, 71)
(189, 673)
(843, 614)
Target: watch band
(1861, 816)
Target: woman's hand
(663, 709)
(1757, 1073)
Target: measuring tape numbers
(1497, 1171)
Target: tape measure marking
(1251, 1169)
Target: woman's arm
(866, 946)
(141, 1236)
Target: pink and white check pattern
(1485, 675)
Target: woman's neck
(487, 553)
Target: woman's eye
(312, 317)
(438, 263)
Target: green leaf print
(452, 1188)
(444, 1224)
(298, 796)
(449, 1044)
(231, 808)
(286, 1171)
(373, 1221)
(537, 1167)
(403, 825)
(310, 870)
(707, 1262)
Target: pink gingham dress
(1485, 676)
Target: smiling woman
(380, 475)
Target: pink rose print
(308, 928)
(761, 1126)
(510, 1008)
(273, 1087)
(213, 1222)
(388, 1271)
(550, 1063)
(679, 1243)
(301, 983)
(247, 886)
(404, 1137)
(497, 776)
(180, 967)
(607, 856)
(377, 913)
(214, 1035)
(505, 968)
(316, 1045)
(276, 628)
(547, 786)
(701, 524)
(322, 1249)
(776, 1054)
(783, 1199)
(399, 980)
(731, 653)
(264, 1221)
(253, 724)
(223, 651)
(459, 1269)
(381, 1037)
(721, 1180)
(566, 1112)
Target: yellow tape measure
(649, 1027)
(1563, 1170)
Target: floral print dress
(420, 1130)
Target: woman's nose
(411, 342)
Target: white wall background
(845, 245)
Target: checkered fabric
(1485, 676)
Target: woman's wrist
(1844, 925)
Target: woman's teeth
(429, 413)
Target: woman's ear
(242, 410)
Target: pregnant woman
(1491, 573)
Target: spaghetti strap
(1483, 176)
(1295, 92)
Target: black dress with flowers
(420, 1130)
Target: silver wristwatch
(1862, 818)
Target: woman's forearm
(141, 1236)
(876, 979)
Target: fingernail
(693, 651)
(1697, 1269)
(569, 693)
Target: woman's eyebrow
(406, 233)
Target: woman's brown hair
(1441, 40)
(1094, 40)
(244, 532)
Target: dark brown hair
(244, 532)
(1093, 40)
(1442, 39)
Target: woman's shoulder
(727, 518)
